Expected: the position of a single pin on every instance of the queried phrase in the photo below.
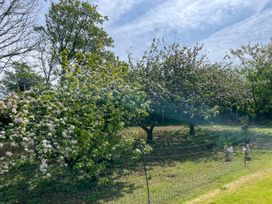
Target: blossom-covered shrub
(73, 126)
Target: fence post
(244, 128)
(145, 171)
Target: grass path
(224, 194)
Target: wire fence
(190, 168)
(175, 170)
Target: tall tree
(184, 68)
(75, 26)
(147, 72)
(17, 19)
(171, 77)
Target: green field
(176, 179)
(256, 191)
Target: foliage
(74, 26)
(72, 131)
(223, 86)
(23, 78)
(147, 72)
(255, 65)
(171, 180)
(184, 68)
(72, 127)
(172, 77)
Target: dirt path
(231, 186)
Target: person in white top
(246, 151)
(228, 152)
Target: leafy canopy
(74, 26)
(255, 66)
(74, 126)
(172, 77)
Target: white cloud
(114, 9)
(183, 19)
(187, 14)
(256, 29)
(189, 21)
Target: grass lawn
(256, 191)
(177, 182)
(172, 179)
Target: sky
(219, 25)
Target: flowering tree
(74, 126)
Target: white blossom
(18, 120)
(14, 110)
(50, 126)
(48, 175)
(23, 157)
(25, 139)
(74, 142)
(13, 144)
(138, 151)
(15, 97)
(64, 134)
(9, 154)
(43, 166)
(2, 105)
(26, 101)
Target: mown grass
(177, 182)
(257, 191)
(174, 177)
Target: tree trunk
(192, 129)
(149, 133)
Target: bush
(73, 126)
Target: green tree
(224, 87)
(75, 26)
(255, 66)
(74, 126)
(172, 78)
(20, 79)
(184, 67)
(147, 72)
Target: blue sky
(218, 24)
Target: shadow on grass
(260, 139)
(173, 159)
(173, 147)
(206, 145)
(60, 190)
